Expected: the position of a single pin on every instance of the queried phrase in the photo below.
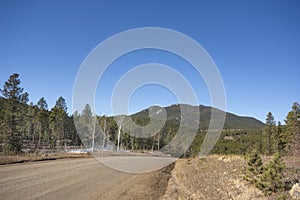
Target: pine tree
(292, 131)
(254, 168)
(58, 121)
(269, 132)
(272, 178)
(86, 127)
(11, 89)
(42, 118)
(24, 98)
(280, 139)
(12, 116)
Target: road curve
(84, 178)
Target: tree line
(271, 139)
(278, 140)
(31, 126)
(283, 139)
(25, 125)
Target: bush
(267, 178)
(272, 178)
(254, 168)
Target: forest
(28, 127)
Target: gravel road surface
(82, 178)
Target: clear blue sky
(255, 44)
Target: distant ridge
(232, 121)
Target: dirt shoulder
(147, 186)
(213, 177)
(11, 159)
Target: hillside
(232, 121)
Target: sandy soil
(78, 178)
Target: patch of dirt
(11, 159)
(212, 177)
(150, 186)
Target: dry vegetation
(213, 177)
(221, 177)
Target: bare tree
(120, 121)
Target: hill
(232, 121)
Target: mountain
(173, 112)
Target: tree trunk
(158, 140)
(93, 134)
(119, 136)
(104, 134)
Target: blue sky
(255, 44)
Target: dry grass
(213, 177)
(220, 177)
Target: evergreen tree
(42, 104)
(61, 104)
(254, 168)
(58, 122)
(272, 178)
(86, 126)
(269, 132)
(24, 98)
(12, 116)
(42, 118)
(11, 89)
(292, 131)
(280, 138)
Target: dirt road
(83, 178)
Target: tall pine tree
(12, 116)
(58, 122)
(269, 132)
(292, 130)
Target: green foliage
(268, 178)
(280, 139)
(11, 125)
(24, 126)
(254, 168)
(238, 142)
(58, 122)
(85, 124)
(271, 180)
(246, 131)
(11, 89)
(282, 196)
(292, 130)
(269, 132)
(34, 126)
